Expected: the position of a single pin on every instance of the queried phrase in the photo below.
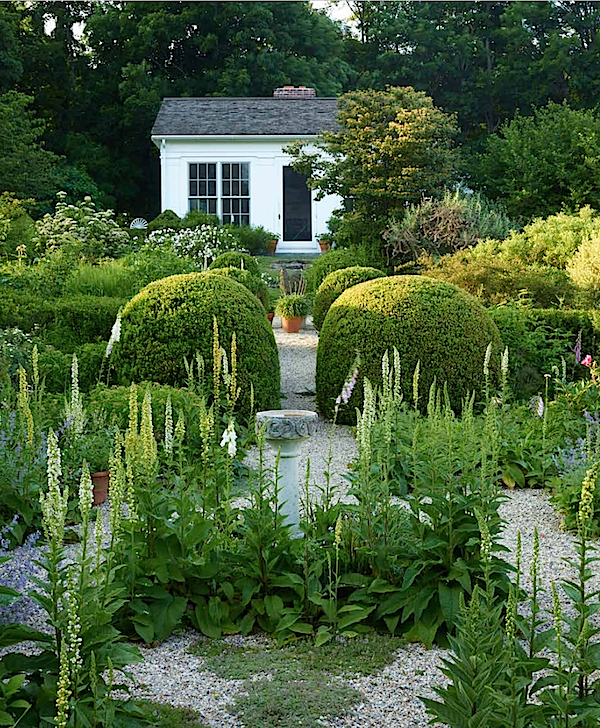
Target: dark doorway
(297, 212)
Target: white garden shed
(226, 156)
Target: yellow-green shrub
(253, 283)
(236, 259)
(173, 318)
(584, 269)
(336, 283)
(498, 279)
(552, 240)
(434, 323)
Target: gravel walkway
(332, 448)
(391, 698)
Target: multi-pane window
(232, 180)
(235, 193)
(203, 188)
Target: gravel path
(391, 698)
(332, 448)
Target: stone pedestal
(285, 431)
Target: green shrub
(173, 318)
(113, 402)
(434, 323)
(292, 305)
(336, 283)
(498, 280)
(584, 269)
(91, 359)
(81, 231)
(195, 218)
(254, 239)
(552, 240)
(151, 264)
(64, 323)
(330, 261)
(16, 349)
(16, 227)
(253, 283)
(236, 259)
(442, 226)
(166, 220)
(539, 339)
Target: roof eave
(157, 138)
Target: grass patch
(361, 655)
(293, 703)
(166, 716)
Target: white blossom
(229, 439)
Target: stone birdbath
(285, 431)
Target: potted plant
(292, 308)
(273, 239)
(96, 448)
(325, 241)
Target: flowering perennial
(229, 439)
(202, 244)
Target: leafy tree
(393, 147)
(541, 164)
(482, 60)
(25, 166)
(11, 66)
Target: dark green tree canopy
(541, 164)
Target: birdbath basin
(285, 431)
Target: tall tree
(393, 147)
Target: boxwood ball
(172, 318)
(336, 283)
(436, 323)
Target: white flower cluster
(229, 439)
(115, 335)
(201, 244)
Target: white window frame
(219, 187)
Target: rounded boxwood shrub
(173, 318)
(234, 259)
(167, 220)
(434, 323)
(254, 284)
(333, 260)
(336, 283)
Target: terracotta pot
(271, 246)
(100, 481)
(270, 316)
(292, 325)
(324, 246)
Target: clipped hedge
(333, 260)
(336, 283)
(437, 324)
(235, 259)
(538, 339)
(173, 318)
(255, 285)
(64, 323)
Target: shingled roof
(245, 116)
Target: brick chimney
(294, 92)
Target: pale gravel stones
(332, 448)
(170, 674)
